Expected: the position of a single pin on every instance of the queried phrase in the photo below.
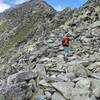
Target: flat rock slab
(44, 83)
(21, 77)
(96, 24)
(64, 87)
(20, 90)
(57, 96)
(25, 76)
(83, 83)
(95, 86)
(96, 75)
(94, 65)
(78, 69)
(50, 79)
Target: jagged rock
(52, 35)
(2, 83)
(61, 48)
(40, 69)
(96, 92)
(70, 76)
(57, 96)
(44, 83)
(63, 77)
(67, 76)
(97, 56)
(11, 79)
(82, 90)
(97, 70)
(26, 76)
(85, 63)
(53, 79)
(64, 87)
(22, 76)
(83, 97)
(78, 70)
(48, 95)
(49, 65)
(94, 66)
(40, 97)
(95, 84)
(50, 41)
(83, 83)
(45, 59)
(2, 71)
(17, 91)
(96, 24)
(96, 75)
(30, 39)
(58, 70)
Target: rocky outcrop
(34, 68)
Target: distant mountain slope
(17, 23)
(33, 17)
(32, 62)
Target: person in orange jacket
(65, 43)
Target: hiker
(65, 43)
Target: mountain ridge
(20, 15)
(32, 64)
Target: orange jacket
(66, 41)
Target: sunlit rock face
(32, 64)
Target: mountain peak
(91, 3)
(32, 61)
(28, 7)
(93, 0)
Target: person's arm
(75, 37)
(70, 43)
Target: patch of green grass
(22, 32)
(12, 15)
(1, 97)
(3, 27)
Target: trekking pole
(74, 38)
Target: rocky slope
(31, 56)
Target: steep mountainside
(32, 65)
(25, 21)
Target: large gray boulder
(57, 96)
(22, 76)
(95, 86)
(83, 83)
(18, 91)
(64, 87)
(82, 90)
(78, 69)
(93, 66)
(96, 24)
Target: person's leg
(66, 51)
